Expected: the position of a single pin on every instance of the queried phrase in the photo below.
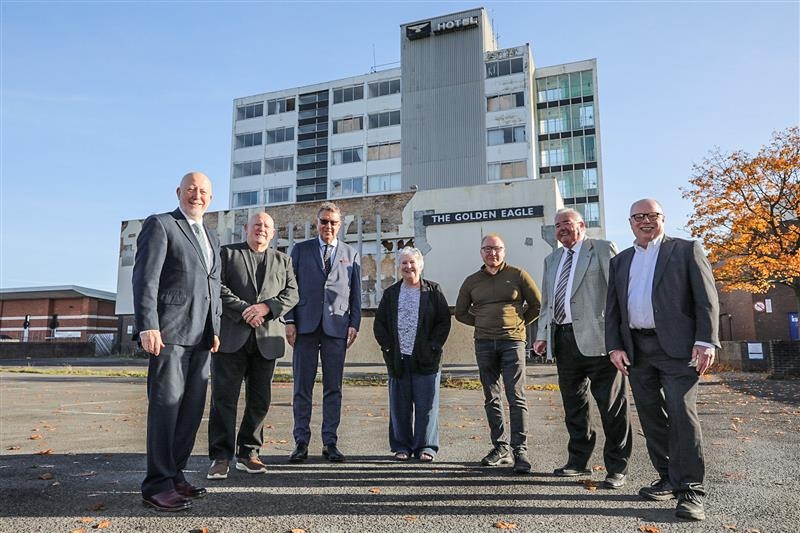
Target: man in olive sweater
(499, 300)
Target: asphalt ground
(73, 457)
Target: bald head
(259, 230)
(647, 221)
(194, 195)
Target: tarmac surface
(73, 458)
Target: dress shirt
(576, 249)
(206, 245)
(322, 245)
(640, 284)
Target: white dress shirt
(640, 285)
(576, 249)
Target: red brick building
(62, 312)
(749, 317)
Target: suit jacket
(587, 299)
(333, 300)
(433, 327)
(240, 290)
(685, 304)
(173, 291)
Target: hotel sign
(486, 215)
(422, 30)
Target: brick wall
(785, 359)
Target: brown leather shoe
(189, 491)
(168, 501)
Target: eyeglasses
(328, 222)
(651, 217)
(490, 249)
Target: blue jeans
(504, 358)
(414, 413)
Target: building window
(504, 67)
(347, 186)
(383, 183)
(348, 94)
(312, 128)
(566, 118)
(381, 120)
(567, 151)
(312, 173)
(305, 190)
(277, 195)
(590, 212)
(250, 111)
(311, 158)
(383, 88)
(344, 125)
(383, 151)
(508, 170)
(248, 168)
(502, 102)
(278, 164)
(564, 86)
(280, 105)
(348, 155)
(241, 199)
(317, 142)
(511, 134)
(246, 140)
(280, 135)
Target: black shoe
(497, 456)
(332, 453)
(569, 470)
(690, 506)
(614, 481)
(168, 501)
(522, 464)
(659, 490)
(300, 453)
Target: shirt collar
(576, 247)
(322, 243)
(191, 221)
(655, 244)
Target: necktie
(198, 232)
(559, 301)
(326, 259)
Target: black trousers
(579, 374)
(177, 381)
(665, 391)
(228, 370)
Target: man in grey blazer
(571, 326)
(258, 289)
(177, 308)
(321, 327)
(662, 328)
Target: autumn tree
(746, 211)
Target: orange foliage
(747, 213)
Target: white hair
(415, 253)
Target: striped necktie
(206, 253)
(326, 259)
(559, 301)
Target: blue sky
(104, 106)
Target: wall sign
(423, 29)
(503, 213)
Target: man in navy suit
(662, 328)
(322, 326)
(177, 308)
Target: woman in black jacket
(411, 325)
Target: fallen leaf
(86, 520)
(48, 451)
(46, 476)
(99, 506)
(35, 436)
(79, 530)
(85, 474)
(410, 518)
(502, 524)
(598, 468)
(104, 524)
(375, 490)
(649, 529)
(588, 484)
(12, 448)
(729, 526)
(297, 530)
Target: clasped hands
(255, 314)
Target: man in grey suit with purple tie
(321, 327)
(177, 308)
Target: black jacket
(433, 327)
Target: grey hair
(573, 213)
(329, 206)
(415, 253)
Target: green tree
(746, 211)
